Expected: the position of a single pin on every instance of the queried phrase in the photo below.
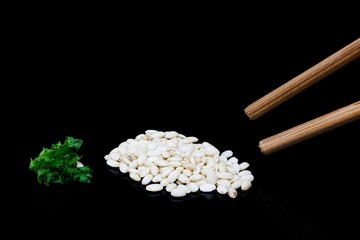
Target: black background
(104, 84)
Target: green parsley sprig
(60, 164)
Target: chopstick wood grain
(310, 129)
(304, 80)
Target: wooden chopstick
(310, 129)
(304, 80)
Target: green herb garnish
(60, 164)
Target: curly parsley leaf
(59, 164)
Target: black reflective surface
(199, 86)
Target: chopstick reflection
(294, 225)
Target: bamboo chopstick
(304, 80)
(310, 129)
